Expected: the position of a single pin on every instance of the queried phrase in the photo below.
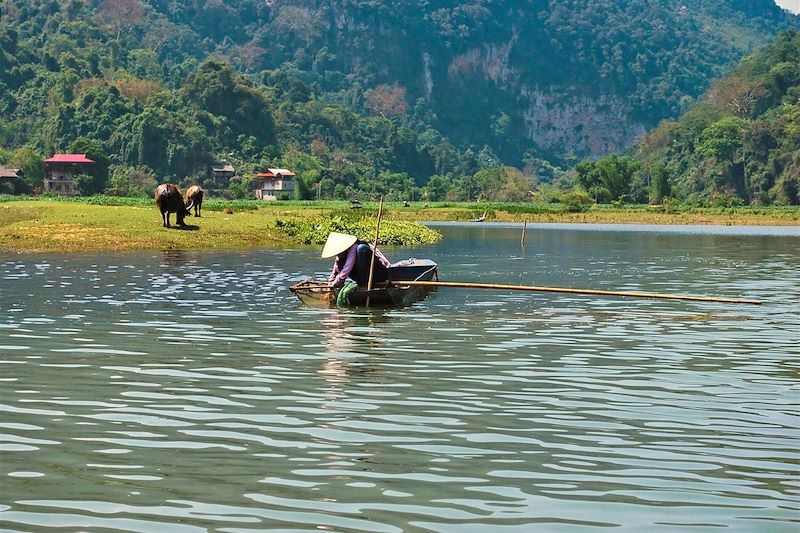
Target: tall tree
(32, 165)
(388, 101)
(120, 15)
(96, 179)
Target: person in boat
(353, 258)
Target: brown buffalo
(170, 200)
(194, 197)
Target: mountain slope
(742, 140)
(583, 75)
(359, 88)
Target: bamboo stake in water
(578, 291)
(374, 250)
(522, 240)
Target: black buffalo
(170, 200)
(194, 197)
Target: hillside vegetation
(426, 99)
(742, 141)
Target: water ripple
(192, 392)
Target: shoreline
(45, 225)
(699, 217)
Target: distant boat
(480, 218)
(385, 294)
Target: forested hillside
(430, 97)
(741, 142)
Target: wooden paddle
(375, 250)
(577, 291)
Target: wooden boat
(480, 218)
(389, 293)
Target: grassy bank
(71, 226)
(33, 226)
(90, 224)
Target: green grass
(112, 223)
(70, 226)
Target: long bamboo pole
(577, 291)
(374, 250)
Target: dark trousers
(360, 272)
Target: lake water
(190, 391)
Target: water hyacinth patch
(393, 232)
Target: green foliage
(131, 181)
(505, 184)
(616, 174)
(32, 165)
(315, 231)
(741, 142)
(722, 139)
(216, 89)
(576, 201)
(436, 189)
(608, 178)
(586, 174)
(95, 181)
(660, 189)
(170, 87)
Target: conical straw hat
(337, 243)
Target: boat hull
(387, 294)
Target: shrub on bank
(576, 201)
(393, 232)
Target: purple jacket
(338, 275)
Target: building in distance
(222, 173)
(61, 170)
(274, 182)
(9, 178)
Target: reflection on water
(350, 338)
(188, 391)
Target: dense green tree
(660, 186)
(96, 178)
(131, 181)
(586, 174)
(32, 165)
(515, 187)
(216, 89)
(616, 174)
(722, 139)
(608, 178)
(307, 169)
(437, 188)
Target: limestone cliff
(581, 76)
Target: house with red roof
(61, 170)
(273, 182)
